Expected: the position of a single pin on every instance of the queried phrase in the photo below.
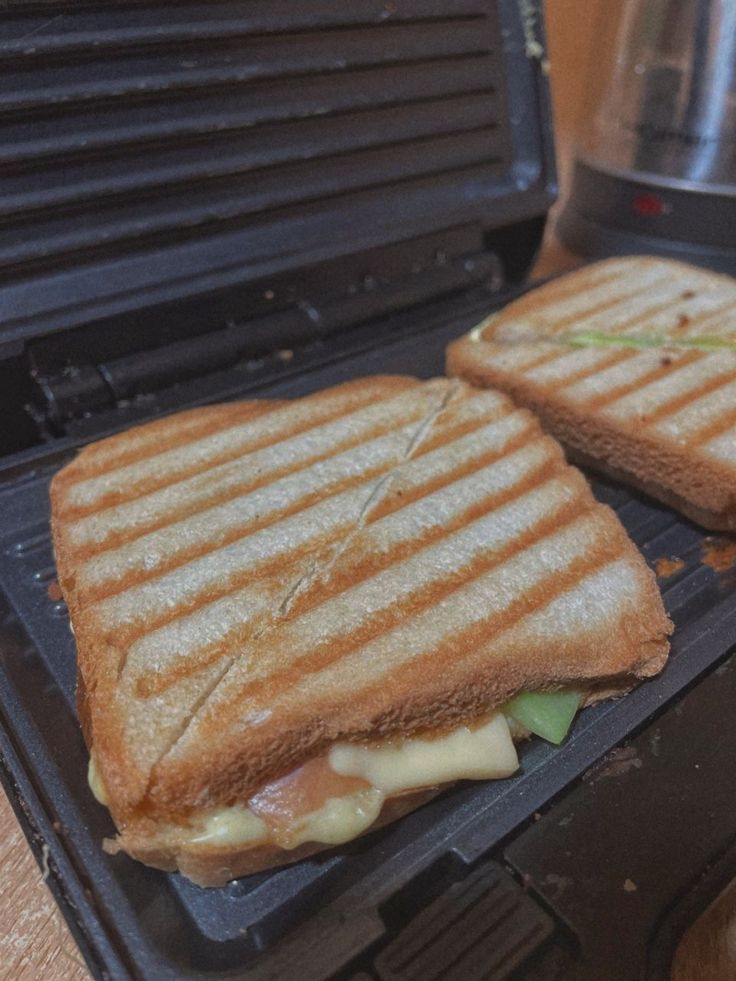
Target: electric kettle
(655, 156)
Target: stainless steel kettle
(655, 161)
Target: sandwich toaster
(207, 200)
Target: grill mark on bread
(202, 501)
(607, 358)
(127, 632)
(170, 431)
(215, 584)
(620, 391)
(190, 509)
(105, 588)
(179, 557)
(663, 317)
(672, 399)
(687, 398)
(362, 567)
(437, 507)
(270, 687)
(391, 504)
(451, 389)
(723, 449)
(533, 353)
(705, 431)
(176, 465)
(409, 674)
(717, 428)
(196, 707)
(560, 288)
(224, 524)
(176, 515)
(543, 463)
(613, 395)
(377, 495)
(551, 325)
(718, 314)
(452, 432)
(197, 493)
(641, 322)
(107, 456)
(225, 585)
(552, 353)
(588, 319)
(336, 649)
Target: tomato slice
(301, 792)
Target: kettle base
(616, 214)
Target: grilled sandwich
(631, 364)
(297, 620)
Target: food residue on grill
(615, 764)
(719, 553)
(666, 567)
(54, 592)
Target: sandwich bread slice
(296, 620)
(631, 364)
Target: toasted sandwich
(297, 620)
(631, 364)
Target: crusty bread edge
(207, 865)
(211, 866)
(723, 521)
(649, 463)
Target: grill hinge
(78, 388)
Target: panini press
(207, 200)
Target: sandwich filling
(336, 797)
(515, 333)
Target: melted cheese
(485, 753)
(477, 754)
(234, 825)
(340, 819)
(95, 781)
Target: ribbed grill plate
(148, 151)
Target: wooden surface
(34, 940)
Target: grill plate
(167, 927)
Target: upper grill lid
(153, 153)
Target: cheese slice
(95, 781)
(485, 753)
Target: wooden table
(34, 939)
(35, 942)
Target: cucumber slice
(546, 713)
(599, 339)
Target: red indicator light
(649, 205)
